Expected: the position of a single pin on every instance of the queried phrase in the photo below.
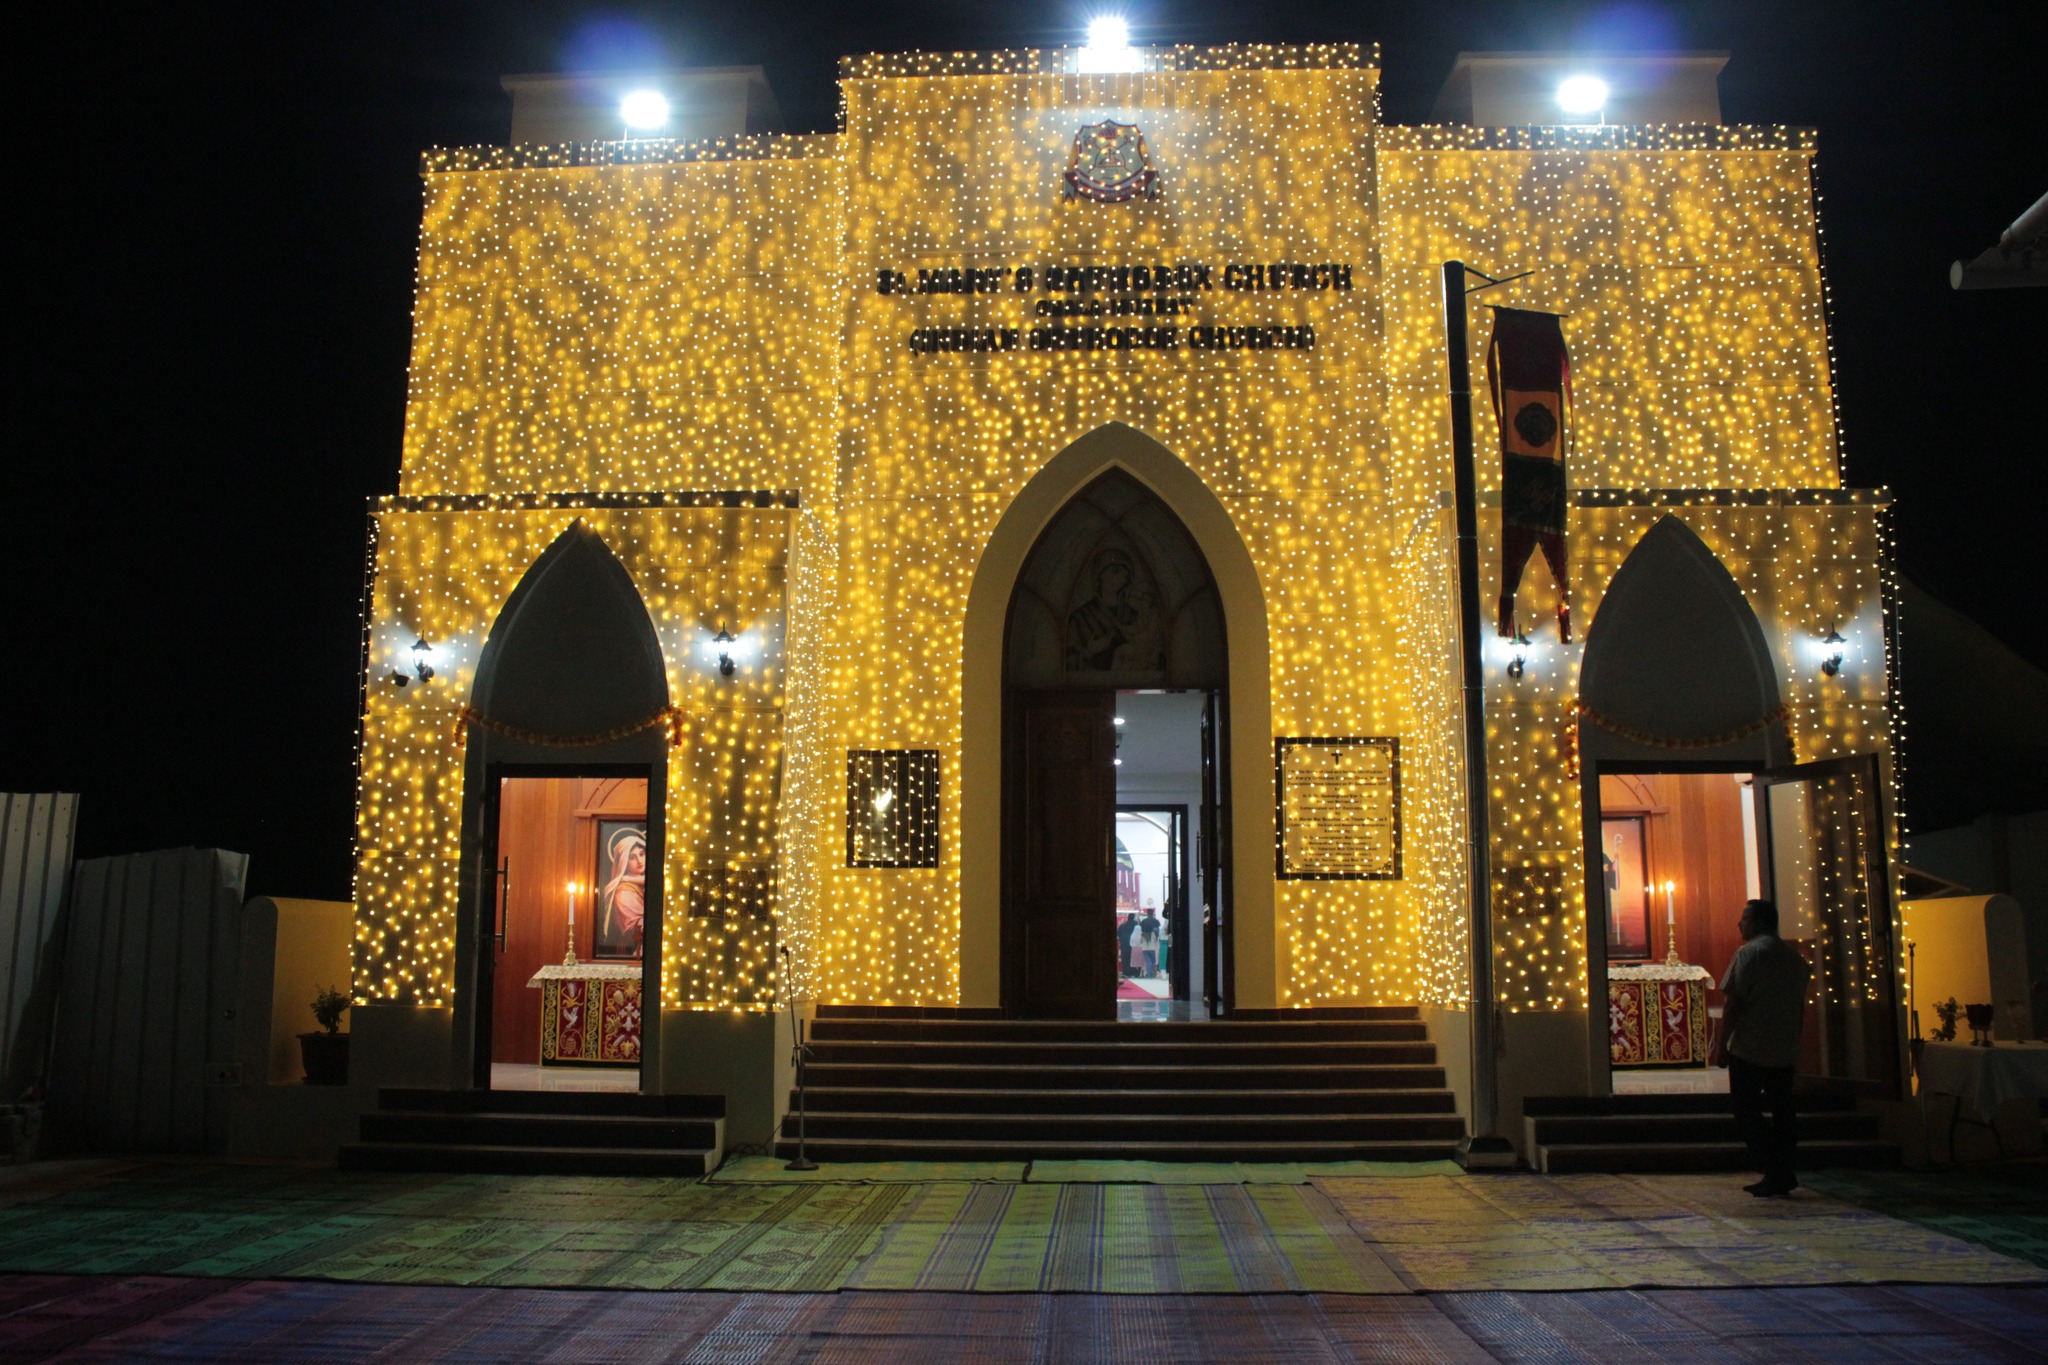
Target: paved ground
(216, 1261)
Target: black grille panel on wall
(892, 808)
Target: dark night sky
(216, 209)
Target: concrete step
(1147, 1130)
(541, 1130)
(1055, 1052)
(587, 1102)
(1604, 1129)
(1119, 1075)
(906, 1149)
(1565, 1106)
(1679, 1157)
(901, 1100)
(523, 1160)
(885, 1014)
(1034, 1032)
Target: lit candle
(1670, 925)
(572, 905)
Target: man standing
(1759, 1043)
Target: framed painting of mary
(621, 882)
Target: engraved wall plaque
(1338, 809)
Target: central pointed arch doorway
(1115, 648)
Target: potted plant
(326, 1053)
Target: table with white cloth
(589, 1013)
(1657, 1014)
(1983, 1078)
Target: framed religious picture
(619, 906)
(892, 808)
(1625, 877)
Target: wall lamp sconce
(421, 669)
(1832, 664)
(1520, 644)
(725, 640)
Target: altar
(1657, 1014)
(589, 1013)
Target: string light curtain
(591, 323)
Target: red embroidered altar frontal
(1657, 1023)
(590, 1020)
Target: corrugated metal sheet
(37, 831)
(147, 1013)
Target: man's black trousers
(1771, 1141)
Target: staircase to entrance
(1674, 1133)
(1364, 1085)
(540, 1132)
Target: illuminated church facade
(828, 508)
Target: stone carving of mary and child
(1119, 629)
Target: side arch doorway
(1115, 715)
(1692, 807)
(565, 771)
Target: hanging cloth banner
(1530, 377)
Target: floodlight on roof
(644, 110)
(1109, 30)
(1109, 46)
(1582, 94)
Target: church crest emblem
(1110, 164)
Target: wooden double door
(1059, 852)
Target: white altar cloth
(1982, 1078)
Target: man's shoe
(1772, 1189)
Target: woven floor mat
(773, 1170)
(1224, 1172)
(1123, 1239)
(1351, 1235)
(2003, 1206)
(285, 1323)
(1531, 1232)
(608, 1232)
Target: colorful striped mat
(272, 1322)
(1349, 1235)
(1124, 1239)
(1224, 1172)
(1529, 1232)
(774, 1170)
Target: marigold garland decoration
(670, 716)
(1654, 741)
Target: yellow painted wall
(1950, 956)
(311, 954)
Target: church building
(1000, 561)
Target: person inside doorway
(1148, 941)
(1759, 1043)
(1126, 929)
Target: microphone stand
(802, 1050)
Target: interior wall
(1693, 824)
(547, 831)
(311, 943)
(1165, 768)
